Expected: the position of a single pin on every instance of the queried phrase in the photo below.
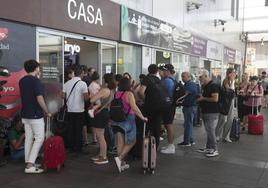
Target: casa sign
(84, 12)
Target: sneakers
(204, 150)
(101, 160)
(125, 167)
(228, 140)
(91, 113)
(192, 143)
(33, 170)
(170, 149)
(95, 158)
(118, 164)
(212, 153)
(183, 144)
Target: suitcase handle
(252, 109)
(48, 128)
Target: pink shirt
(125, 102)
(253, 101)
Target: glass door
(108, 57)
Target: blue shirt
(192, 90)
(30, 88)
(169, 85)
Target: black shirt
(209, 107)
(30, 88)
(149, 92)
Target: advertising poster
(17, 44)
(143, 29)
(229, 55)
(214, 50)
(199, 46)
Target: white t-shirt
(76, 101)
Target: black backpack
(225, 99)
(159, 99)
(178, 92)
(117, 111)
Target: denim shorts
(129, 127)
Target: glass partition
(51, 60)
(129, 60)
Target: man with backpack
(168, 114)
(155, 100)
(189, 109)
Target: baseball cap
(167, 67)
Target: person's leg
(220, 125)
(125, 150)
(85, 137)
(155, 126)
(78, 127)
(205, 121)
(228, 125)
(28, 143)
(38, 127)
(119, 142)
(188, 124)
(102, 142)
(71, 131)
(211, 127)
(18, 155)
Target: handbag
(61, 116)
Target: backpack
(225, 99)
(117, 111)
(178, 92)
(159, 99)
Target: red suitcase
(256, 124)
(148, 153)
(54, 151)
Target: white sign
(108, 69)
(72, 48)
(238, 58)
(84, 12)
(214, 50)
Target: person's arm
(104, 92)
(17, 144)
(134, 107)
(41, 102)
(142, 91)
(214, 98)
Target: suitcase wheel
(153, 172)
(58, 168)
(144, 171)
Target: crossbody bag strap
(65, 103)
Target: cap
(167, 67)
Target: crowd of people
(151, 100)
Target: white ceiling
(256, 19)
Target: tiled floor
(241, 164)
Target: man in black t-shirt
(32, 113)
(146, 92)
(210, 112)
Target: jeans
(210, 123)
(34, 138)
(75, 127)
(188, 113)
(18, 154)
(225, 123)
